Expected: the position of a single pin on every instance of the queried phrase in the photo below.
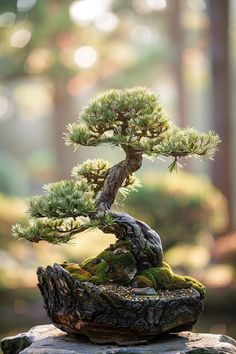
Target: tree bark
(62, 112)
(115, 178)
(220, 97)
(146, 243)
(176, 32)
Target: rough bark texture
(114, 314)
(147, 248)
(146, 243)
(115, 178)
(47, 339)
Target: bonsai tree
(133, 120)
(107, 297)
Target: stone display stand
(47, 339)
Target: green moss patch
(114, 265)
(117, 265)
(163, 278)
(76, 271)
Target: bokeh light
(156, 5)
(32, 109)
(38, 60)
(107, 22)
(25, 5)
(7, 19)
(141, 34)
(4, 107)
(146, 6)
(197, 5)
(85, 57)
(20, 38)
(86, 11)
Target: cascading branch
(133, 120)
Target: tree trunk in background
(177, 59)
(177, 36)
(62, 116)
(220, 95)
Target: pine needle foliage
(135, 118)
(59, 230)
(120, 117)
(63, 199)
(94, 172)
(132, 119)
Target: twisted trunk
(115, 178)
(146, 244)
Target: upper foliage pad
(134, 118)
(120, 117)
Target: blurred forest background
(57, 55)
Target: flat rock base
(114, 314)
(47, 339)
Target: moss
(141, 281)
(123, 245)
(76, 271)
(99, 270)
(166, 265)
(196, 285)
(118, 259)
(86, 262)
(164, 278)
(99, 279)
(121, 263)
(117, 265)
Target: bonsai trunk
(115, 178)
(145, 242)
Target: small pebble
(144, 291)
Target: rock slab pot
(114, 314)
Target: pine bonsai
(133, 120)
